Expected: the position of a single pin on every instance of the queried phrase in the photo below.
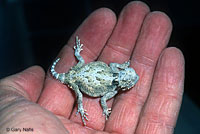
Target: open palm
(31, 100)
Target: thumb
(18, 112)
(27, 83)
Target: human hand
(152, 106)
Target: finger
(118, 49)
(153, 38)
(75, 128)
(163, 104)
(93, 33)
(28, 83)
(121, 43)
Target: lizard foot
(83, 115)
(107, 112)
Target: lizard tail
(57, 76)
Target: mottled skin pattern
(96, 79)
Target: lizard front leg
(78, 48)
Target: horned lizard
(96, 79)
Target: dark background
(33, 31)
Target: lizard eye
(115, 74)
(115, 82)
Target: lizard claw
(127, 63)
(107, 112)
(83, 115)
(78, 46)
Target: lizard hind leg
(79, 96)
(107, 96)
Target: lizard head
(127, 78)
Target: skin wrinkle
(118, 50)
(171, 66)
(34, 74)
(22, 110)
(166, 76)
(48, 103)
(7, 101)
(21, 85)
(36, 92)
(75, 128)
(9, 114)
(13, 87)
(155, 128)
(126, 25)
(134, 97)
(56, 102)
(103, 23)
(158, 119)
(166, 91)
(145, 61)
(40, 126)
(20, 80)
(161, 110)
(168, 88)
(164, 101)
(158, 19)
(119, 117)
(148, 128)
(80, 130)
(89, 54)
(121, 34)
(172, 102)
